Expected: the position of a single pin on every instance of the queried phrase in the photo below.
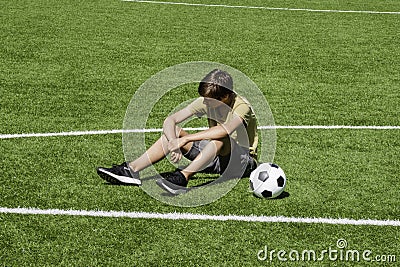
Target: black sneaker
(175, 183)
(119, 174)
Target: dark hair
(216, 84)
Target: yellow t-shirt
(244, 136)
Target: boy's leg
(232, 160)
(176, 182)
(129, 174)
(157, 152)
(203, 159)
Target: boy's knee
(223, 146)
(164, 142)
(218, 144)
(212, 145)
(180, 132)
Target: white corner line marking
(158, 130)
(266, 8)
(191, 216)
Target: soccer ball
(268, 180)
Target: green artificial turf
(75, 65)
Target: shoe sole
(169, 187)
(117, 179)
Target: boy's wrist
(186, 139)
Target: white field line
(265, 8)
(155, 130)
(191, 216)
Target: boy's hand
(176, 156)
(174, 145)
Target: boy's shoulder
(241, 102)
(197, 106)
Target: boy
(228, 147)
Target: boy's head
(217, 84)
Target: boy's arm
(217, 132)
(213, 133)
(169, 126)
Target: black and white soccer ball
(268, 180)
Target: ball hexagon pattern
(268, 180)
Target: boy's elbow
(168, 121)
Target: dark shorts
(238, 163)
